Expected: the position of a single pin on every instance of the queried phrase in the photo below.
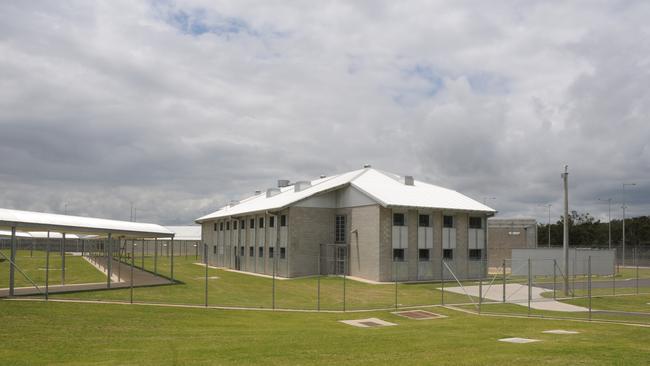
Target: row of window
(251, 223)
(399, 219)
(424, 255)
(260, 251)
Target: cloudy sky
(180, 106)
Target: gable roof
(386, 189)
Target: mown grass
(227, 288)
(77, 270)
(39, 333)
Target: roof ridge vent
(258, 192)
(367, 166)
(323, 176)
(301, 185)
(283, 183)
(270, 192)
(408, 180)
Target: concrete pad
(518, 294)
(518, 340)
(418, 314)
(368, 323)
(560, 331)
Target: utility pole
(565, 241)
(624, 185)
(609, 218)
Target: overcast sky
(181, 106)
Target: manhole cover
(518, 340)
(368, 323)
(419, 314)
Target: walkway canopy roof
(191, 232)
(26, 221)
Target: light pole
(565, 240)
(609, 218)
(623, 207)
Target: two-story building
(365, 223)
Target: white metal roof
(191, 232)
(39, 221)
(385, 188)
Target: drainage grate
(419, 314)
(368, 323)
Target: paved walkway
(518, 294)
(140, 278)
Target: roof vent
(258, 192)
(283, 183)
(408, 180)
(300, 185)
(233, 203)
(323, 176)
(272, 192)
(367, 166)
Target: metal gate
(334, 259)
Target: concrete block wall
(364, 248)
(309, 227)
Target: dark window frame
(283, 253)
(251, 251)
(446, 221)
(426, 258)
(448, 254)
(399, 222)
(215, 226)
(340, 229)
(473, 221)
(399, 255)
(283, 220)
(260, 223)
(227, 225)
(472, 254)
(428, 220)
(214, 249)
(272, 221)
(260, 252)
(221, 226)
(251, 224)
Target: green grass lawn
(226, 288)
(77, 269)
(39, 333)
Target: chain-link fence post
(529, 284)
(504, 281)
(636, 264)
(47, 267)
(480, 290)
(344, 279)
(554, 278)
(614, 276)
(205, 260)
(589, 283)
(155, 255)
(132, 264)
(273, 285)
(442, 281)
(142, 255)
(318, 279)
(395, 280)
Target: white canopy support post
(109, 259)
(12, 261)
(63, 259)
(155, 255)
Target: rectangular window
(475, 223)
(447, 221)
(271, 252)
(260, 252)
(423, 255)
(272, 221)
(251, 252)
(448, 253)
(398, 255)
(475, 254)
(221, 226)
(424, 221)
(251, 224)
(339, 236)
(398, 219)
(261, 225)
(283, 220)
(214, 249)
(283, 253)
(234, 225)
(215, 226)
(227, 225)
(242, 224)
(241, 251)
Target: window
(475, 254)
(251, 224)
(221, 226)
(242, 224)
(260, 252)
(251, 252)
(283, 253)
(215, 226)
(447, 221)
(398, 255)
(241, 251)
(261, 225)
(214, 249)
(271, 252)
(272, 221)
(227, 225)
(423, 255)
(234, 225)
(339, 236)
(283, 220)
(475, 222)
(448, 253)
(424, 221)
(398, 219)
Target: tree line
(586, 231)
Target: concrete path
(518, 294)
(140, 278)
(582, 285)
